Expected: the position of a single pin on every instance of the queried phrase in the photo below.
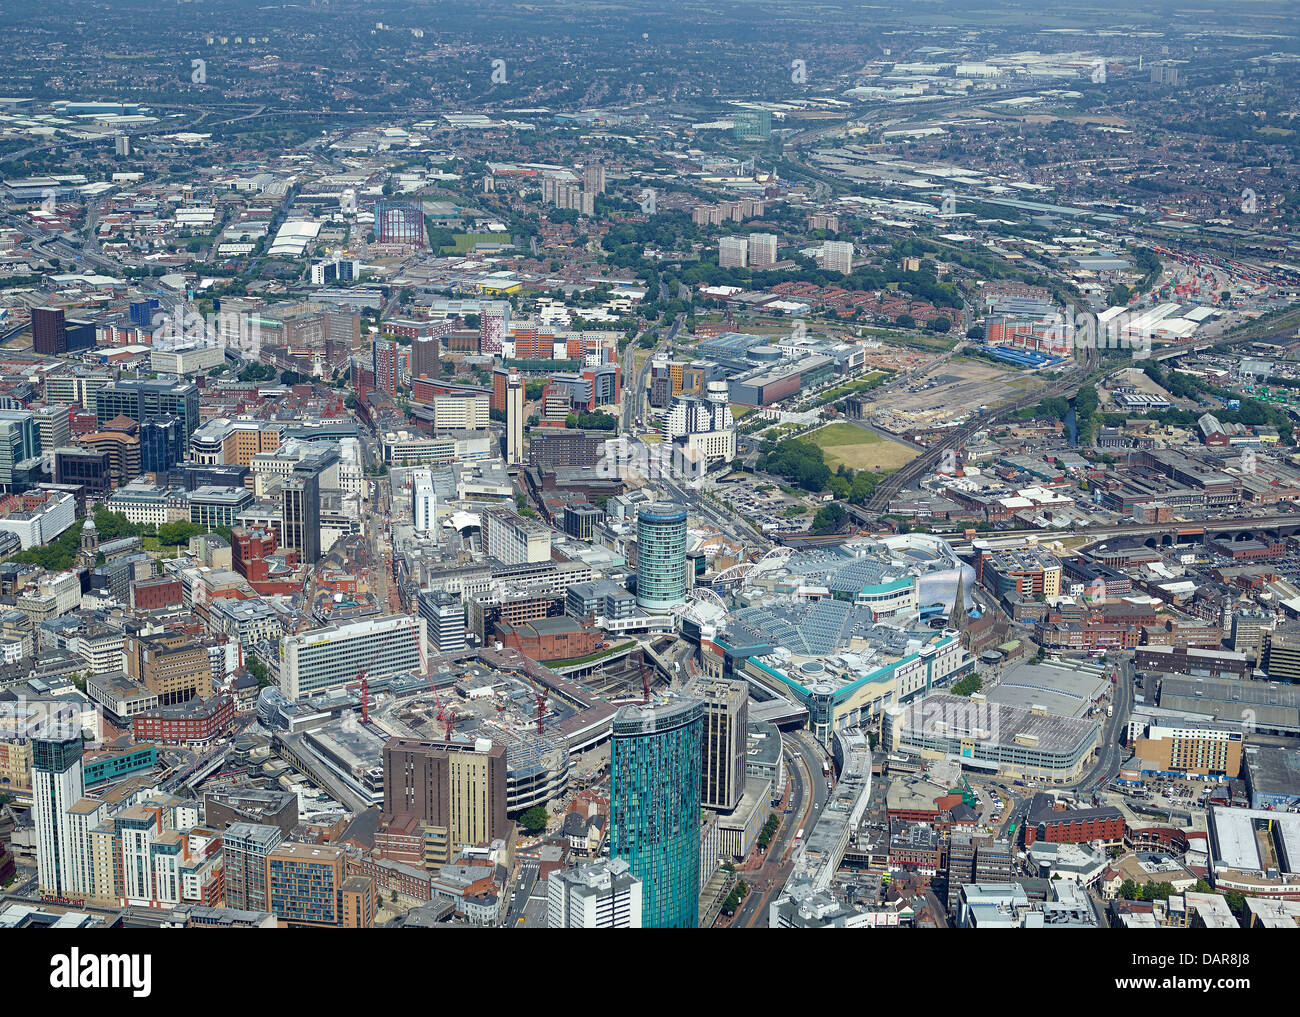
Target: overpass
(1182, 531)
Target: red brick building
(255, 554)
(195, 721)
(157, 592)
(560, 638)
(1072, 826)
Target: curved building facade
(656, 759)
(661, 556)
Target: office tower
(141, 311)
(660, 556)
(171, 665)
(444, 616)
(425, 362)
(837, 256)
(246, 847)
(301, 513)
(593, 178)
(733, 252)
(762, 250)
(424, 502)
(122, 145)
(455, 791)
(49, 331)
(726, 716)
(304, 884)
(655, 762)
(387, 359)
(148, 401)
(602, 894)
(161, 444)
(331, 658)
(976, 858)
(514, 420)
(58, 783)
(513, 539)
(752, 125)
(581, 520)
(494, 326)
(53, 429)
(20, 441)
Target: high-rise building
(387, 363)
(751, 125)
(20, 441)
(601, 894)
(837, 256)
(655, 761)
(147, 401)
(454, 791)
(494, 326)
(726, 718)
(733, 252)
(513, 539)
(246, 847)
(444, 615)
(514, 420)
(304, 884)
(171, 665)
(762, 250)
(660, 556)
(593, 178)
(424, 501)
(53, 334)
(301, 513)
(53, 429)
(331, 658)
(58, 783)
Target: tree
(829, 518)
(534, 819)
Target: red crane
(363, 685)
(645, 682)
(541, 713)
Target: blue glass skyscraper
(655, 763)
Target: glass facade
(656, 762)
(661, 556)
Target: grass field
(859, 449)
(465, 241)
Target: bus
(799, 835)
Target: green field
(847, 444)
(465, 241)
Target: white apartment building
(733, 252)
(762, 250)
(837, 256)
(594, 895)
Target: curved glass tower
(661, 556)
(655, 763)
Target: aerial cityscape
(649, 465)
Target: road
(808, 797)
(522, 890)
(634, 393)
(1111, 754)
